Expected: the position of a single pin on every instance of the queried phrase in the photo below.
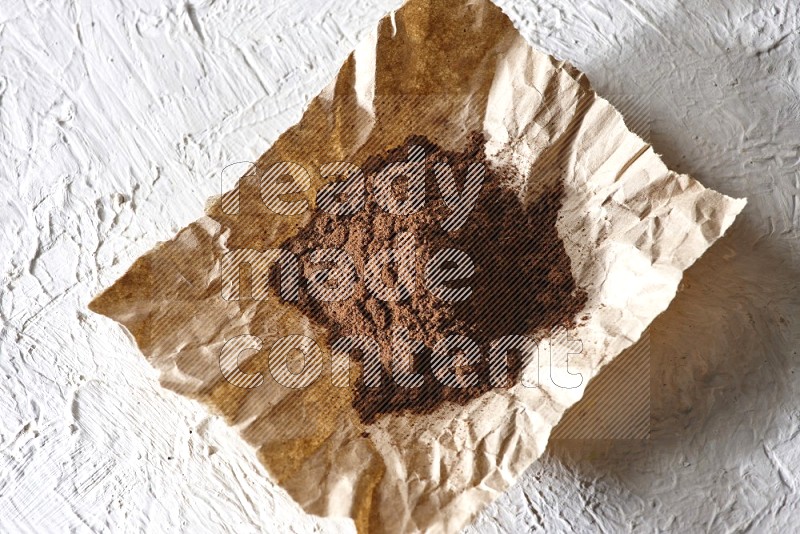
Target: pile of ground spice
(522, 281)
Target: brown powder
(522, 281)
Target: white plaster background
(116, 118)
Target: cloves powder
(521, 282)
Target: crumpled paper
(440, 69)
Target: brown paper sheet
(440, 69)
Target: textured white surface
(116, 119)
